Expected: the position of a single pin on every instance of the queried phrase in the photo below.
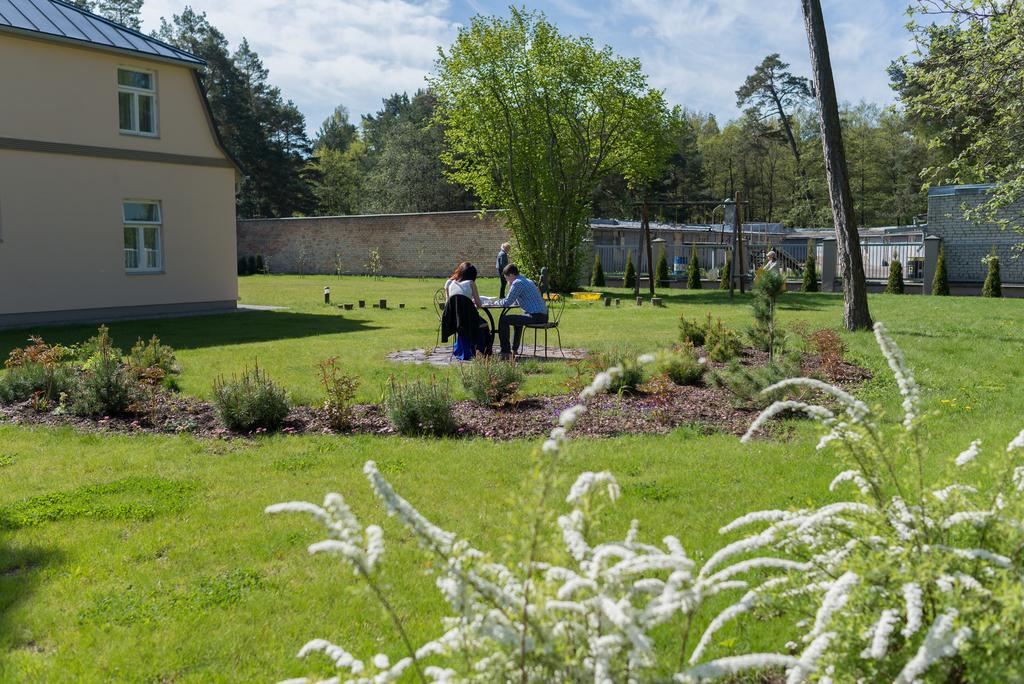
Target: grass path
(148, 558)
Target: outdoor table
(486, 306)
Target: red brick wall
(409, 244)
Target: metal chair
(440, 300)
(559, 306)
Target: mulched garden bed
(657, 409)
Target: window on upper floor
(143, 248)
(136, 101)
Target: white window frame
(135, 93)
(140, 230)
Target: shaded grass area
(148, 558)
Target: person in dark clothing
(501, 263)
(522, 292)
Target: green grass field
(148, 558)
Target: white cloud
(327, 52)
(355, 52)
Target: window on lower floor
(143, 249)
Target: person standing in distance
(501, 263)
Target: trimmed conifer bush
(250, 403)
(629, 278)
(693, 270)
(661, 270)
(260, 267)
(940, 283)
(895, 283)
(810, 269)
(420, 408)
(993, 284)
(597, 277)
(725, 274)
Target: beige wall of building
(61, 223)
(69, 94)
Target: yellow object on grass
(587, 296)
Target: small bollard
(383, 304)
(362, 303)
(656, 301)
(349, 307)
(607, 301)
(401, 306)
(639, 301)
(327, 295)
(618, 301)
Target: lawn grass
(148, 558)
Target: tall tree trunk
(855, 312)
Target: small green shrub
(340, 390)
(629, 278)
(632, 376)
(101, 342)
(810, 283)
(259, 266)
(108, 387)
(725, 273)
(597, 277)
(693, 270)
(691, 332)
(153, 354)
(747, 383)
(37, 371)
(243, 266)
(491, 382)
(680, 366)
(251, 402)
(420, 408)
(895, 283)
(993, 283)
(940, 283)
(721, 343)
(661, 271)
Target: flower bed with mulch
(657, 408)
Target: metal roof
(57, 20)
(956, 190)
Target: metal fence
(710, 255)
(878, 256)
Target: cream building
(116, 197)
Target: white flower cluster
(873, 572)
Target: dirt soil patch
(657, 408)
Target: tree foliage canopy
(534, 120)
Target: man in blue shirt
(522, 293)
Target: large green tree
(964, 86)
(534, 120)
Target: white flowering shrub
(905, 581)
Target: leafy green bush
(491, 382)
(251, 402)
(993, 283)
(597, 277)
(681, 366)
(810, 283)
(340, 390)
(629, 277)
(895, 283)
(747, 383)
(420, 408)
(940, 283)
(37, 372)
(153, 354)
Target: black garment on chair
(460, 317)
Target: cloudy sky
(355, 52)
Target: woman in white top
(463, 282)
